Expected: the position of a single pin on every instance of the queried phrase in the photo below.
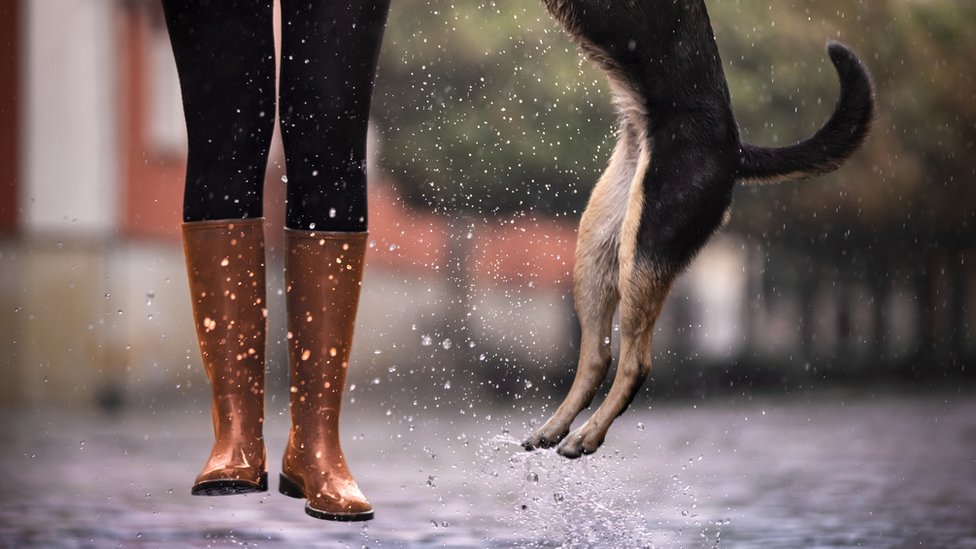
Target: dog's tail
(834, 143)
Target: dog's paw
(580, 442)
(543, 438)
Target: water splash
(567, 503)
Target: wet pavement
(834, 470)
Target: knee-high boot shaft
(226, 270)
(323, 273)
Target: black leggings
(224, 53)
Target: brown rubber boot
(323, 273)
(225, 265)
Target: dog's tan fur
(606, 276)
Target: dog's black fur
(680, 141)
(665, 50)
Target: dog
(668, 185)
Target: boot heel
(288, 487)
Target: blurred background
(489, 130)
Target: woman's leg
(328, 62)
(225, 56)
(329, 57)
(224, 53)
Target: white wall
(70, 162)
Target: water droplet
(446, 344)
(532, 477)
(426, 340)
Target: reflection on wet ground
(807, 471)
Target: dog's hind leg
(640, 292)
(642, 295)
(676, 203)
(595, 288)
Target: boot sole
(292, 489)
(230, 487)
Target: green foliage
(916, 172)
(486, 107)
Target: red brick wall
(10, 51)
(152, 184)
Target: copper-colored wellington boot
(323, 273)
(225, 264)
